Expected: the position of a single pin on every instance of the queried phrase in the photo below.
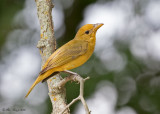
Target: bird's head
(88, 31)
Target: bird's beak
(97, 26)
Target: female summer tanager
(72, 54)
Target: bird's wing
(65, 54)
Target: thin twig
(75, 77)
(73, 101)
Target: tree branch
(47, 45)
(75, 77)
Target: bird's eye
(87, 32)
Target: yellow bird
(72, 54)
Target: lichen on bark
(47, 45)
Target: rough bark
(47, 45)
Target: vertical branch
(47, 45)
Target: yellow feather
(71, 55)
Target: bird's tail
(40, 78)
(33, 85)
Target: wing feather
(65, 54)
